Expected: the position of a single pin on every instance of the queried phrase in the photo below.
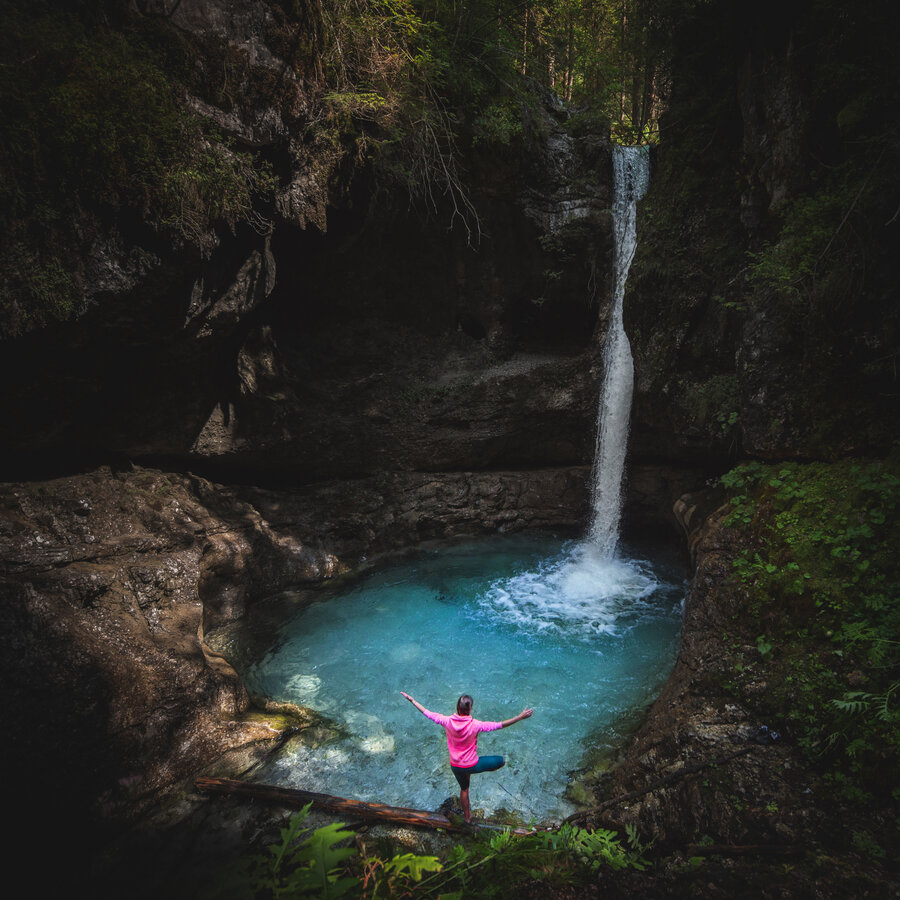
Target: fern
(317, 861)
(855, 702)
(309, 867)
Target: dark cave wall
(762, 302)
(310, 354)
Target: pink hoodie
(462, 736)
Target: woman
(462, 742)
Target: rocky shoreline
(112, 577)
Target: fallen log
(353, 809)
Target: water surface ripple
(515, 621)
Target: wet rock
(560, 203)
(103, 638)
(655, 496)
(220, 310)
(703, 768)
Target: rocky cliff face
(756, 333)
(386, 382)
(313, 345)
(110, 581)
(759, 304)
(710, 776)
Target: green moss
(822, 581)
(278, 721)
(713, 404)
(92, 124)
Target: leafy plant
(877, 705)
(395, 877)
(598, 848)
(309, 867)
(305, 864)
(819, 569)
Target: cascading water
(631, 167)
(583, 635)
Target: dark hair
(464, 705)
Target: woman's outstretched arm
(415, 703)
(525, 714)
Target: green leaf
(320, 852)
(412, 865)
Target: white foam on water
(580, 594)
(512, 621)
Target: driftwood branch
(402, 815)
(354, 809)
(656, 785)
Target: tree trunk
(352, 809)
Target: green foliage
(811, 260)
(820, 570)
(599, 848)
(311, 867)
(882, 706)
(497, 867)
(217, 184)
(499, 123)
(712, 405)
(411, 78)
(395, 877)
(396, 73)
(312, 864)
(866, 844)
(46, 283)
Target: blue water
(514, 621)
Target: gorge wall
(259, 403)
(271, 400)
(763, 318)
(760, 307)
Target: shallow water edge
(518, 619)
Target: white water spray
(631, 167)
(586, 634)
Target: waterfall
(631, 167)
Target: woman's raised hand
(525, 714)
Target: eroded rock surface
(109, 580)
(704, 772)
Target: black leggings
(484, 764)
